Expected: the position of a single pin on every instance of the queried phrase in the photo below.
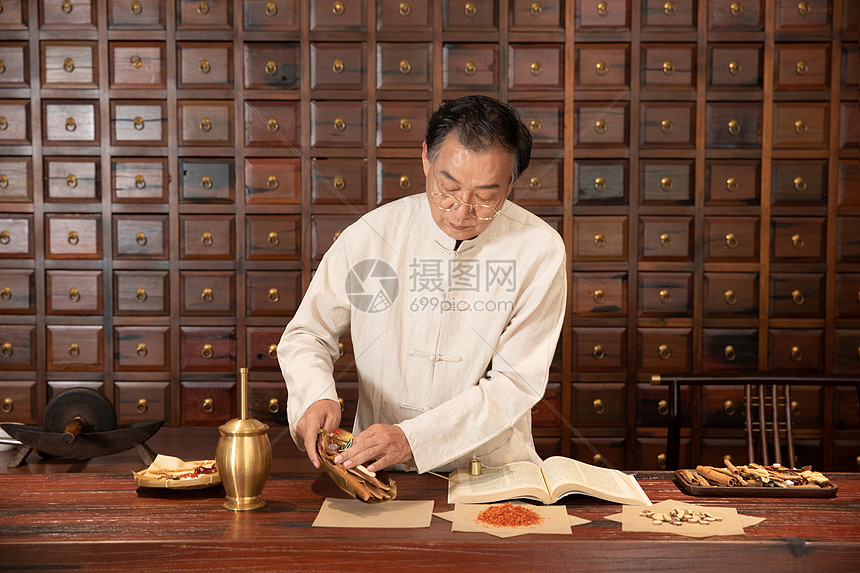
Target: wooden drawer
(600, 238)
(602, 15)
(207, 403)
(797, 239)
(16, 236)
(325, 229)
(205, 123)
(540, 184)
(262, 348)
(403, 66)
(18, 347)
(742, 15)
(204, 14)
(846, 411)
(272, 124)
(470, 66)
(663, 350)
(338, 66)
(666, 239)
(733, 125)
(67, 122)
(141, 348)
(611, 451)
(396, 178)
(74, 292)
(472, 15)
(140, 237)
(72, 179)
(665, 294)
(598, 405)
(138, 65)
(14, 122)
(273, 293)
(136, 14)
(848, 240)
(267, 402)
(272, 66)
(795, 295)
(668, 15)
(723, 406)
(669, 65)
(14, 15)
(600, 182)
(601, 125)
(730, 294)
(271, 15)
(69, 64)
(599, 294)
(729, 350)
(601, 66)
(141, 401)
(545, 121)
(348, 398)
(207, 349)
(850, 65)
(847, 296)
(78, 348)
(401, 124)
(733, 182)
(547, 412)
(652, 406)
(715, 450)
(18, 401)
(204, 65)
(666, 182)
(845, 458)
(139, 180)
(139, 123)
(207, 237)
(141, 292)
(668, 124)
(73, 236)
(345, 364)
(800, 125)
(651, 453)
(338, 15)
(796, 350)
(735, 66)
(599, 349)
(404, 16)
(806, 16)
(207, 180)
(74, 14)
(731, 239)
(849, 120)
(273, 181)
(339, 181)
(338, 123)
(799, 182)
(16, 180)
(207, 293)
(802, 67)
(527, 15)
(846, 353)
(535, 67)
(17, 291)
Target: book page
(565, 475)
(518, 479)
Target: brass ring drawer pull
(405, 125)
(661, 461)
(599, 241)
(206, 182)
(4, 181)
(6, 350)
(535, 126)
(4, 124)
(729, 408)
(794, 407)
(136, 61)
(668, 68)
(140, 239)
(801, 68)
(534, 183)
(208, 405)
(74, 295)
(5, 293)
(336, 235)
(598, 353)
(69, 65)
(337, 8)
(274, 406)
(140, 295)
(205, 66)
(273, 239)
(405, 67)
(536, 9)
(734, 127)
(142, 406)
(470, 9)
(797, 242)
(74, 349)
(598, 460)
(338, 67)
(71, 181)
(203, 7)
(339, 124)
(601, 68)
(342, 405)
(140, 182)
(600, 127)
(735, 68)
(73, 238)
(666, 126)
(405, 9)
(666, 184)
(732, 185)
(536, 69)
(272, 182)
(730, 297)
(599, 296)
(800, 127)
(470, 68)
(736, 9)
(669, 8)
(66, 7)
(797, 297)
(600, 184)
(800, 184)
(271, 8)
(599, 406)
(732, 241)
(206, 240)
(665, 240)
(271, 68)
(405, 182)
(5, 238)
(274, 296)
(136, 7)
(796, 354)
(340, 349)
(7, 406)
(665, 296)
(70, 124)
(803, 8)
(339, 182)
(602, 9)
(273, 351)
(664, 352)
(273, 125)
(141, 350)
(207, 351)
(207, 295)
(205, 124)
(663, 408)
(729, 353)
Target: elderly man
(454, 300)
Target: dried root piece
(364, 485)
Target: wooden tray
(199, 482)
(747, 491)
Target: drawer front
(271, 15)
(141, 401)
(18, 347)
(735, 65)
(262, 348)
(207, 237)
(138, 65)
(204, 65)
(731, 239)
(666, 182)
(729, 350)
(846, 408)
(535, 66)
(848, 240)
(798, 182)
(75, 14)
(338, 66)
(139, 181)
(140, 236)
(847, 295)
(75, 348)
(599, 349)
(600, 182)
(733, 182)
(207, 349)
(400, 16)
(849, 119)
(272, 66)
(208, 293)
(69, 64)
(74, 237)
(663, 350)
(846, 353)
(338, 15)
(470, 66)
(396, 178)
(540, 184)
(602, 15)
(14, 122)
(136, 14)
(795, 295)
(802, 66)
(602, 66)
(141, 348)
(723, 406)
(806, 16)
(17, 291)
(733, 125)
(272, 124)
(545, 122)
(205, 123)
(666, 239)
(599, 294)
(14, 15)
(800, 125)
(601, 125)
(598, 405)
(731, 294)
(207, 403)
(16, 180)
(401, 124)
(744, 15)
(797, 239)
(139, 124)
(600, 238)
(339, 181)
(206, 180)
(547, 412)
(273, 181)
(18, 401)
(267, 402)
(403, 66)
(612, 451)
(476, 15)
(273, 293)
(796, 350)
(325, 229)
(73, 179)
(204, 14)
(67, 122)
(338, 124)
(660, 14)
(668, 124)
(141, 292)
(665, 294)
(74, 292)
(652, 406)
(669, 65)
(527, 15)
(16, 236)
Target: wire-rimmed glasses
(447, 202)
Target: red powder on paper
(509, 515)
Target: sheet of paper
(555, 520)
(732, 523)
(391, 514)
(449, 516)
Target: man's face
(470, 176)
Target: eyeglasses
(448, 202)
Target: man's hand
(321, 414)
(385, 444)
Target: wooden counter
(102, 522)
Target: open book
(555, 478)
